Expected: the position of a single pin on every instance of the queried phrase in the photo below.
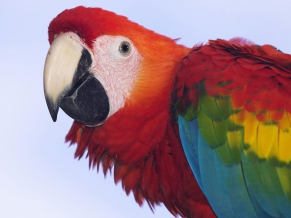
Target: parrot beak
(69, 84)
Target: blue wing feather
(190, 147)
(257, 190)
(239, 190)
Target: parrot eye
(124, 48)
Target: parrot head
(99, 62)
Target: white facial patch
(115, 64)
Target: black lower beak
(87, 101)
(84, 98)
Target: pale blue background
(38, 174)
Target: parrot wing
(233, 101)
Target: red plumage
(257, 77)
(147, 158)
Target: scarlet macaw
(206, 131)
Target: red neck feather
(147, 157)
